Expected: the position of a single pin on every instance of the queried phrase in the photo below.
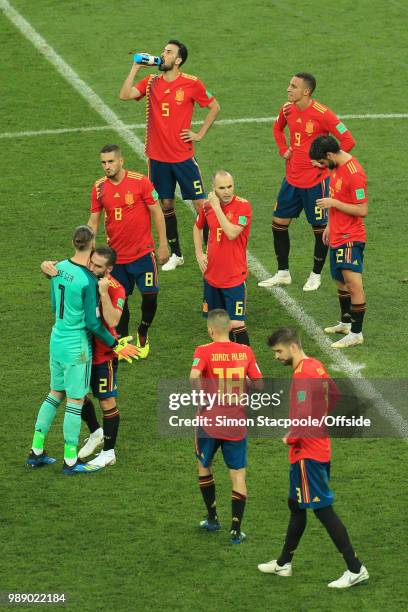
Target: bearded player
(313, 394)
(345, 233)
(170, 100)
(129, 203)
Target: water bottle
(146, 59)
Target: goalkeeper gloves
(125, 350)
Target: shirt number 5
(165, 109)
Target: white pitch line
(29, 133)
(72, 77)
(289, 303)
(220, 122)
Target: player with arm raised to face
(305, 180)
(226, 364)
(74, 292)
(170, 100)
(347, 203)
(312, 393)
(224, 265)
(129, 202)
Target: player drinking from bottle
(170, 99)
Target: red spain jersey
(227, 263)
(310, 397)
(169, 109)
(348, 184)
(101, 352)
(304, 126)
(224, 367)
(127, 217)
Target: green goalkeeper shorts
(73, 378)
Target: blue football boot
(36, 461)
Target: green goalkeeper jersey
(75, 298)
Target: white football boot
(104, 458)
(272, 567)
(351, 339)
(282, 277)
(340, 328)
(349, 579)
(91, 443)
(173, 263)
(313, 282)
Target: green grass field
(126, 538)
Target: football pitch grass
(127, 537)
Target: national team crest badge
(179, 96)
(337, 186)
(309, 127)
(229, 215)
(129, 198)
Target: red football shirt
(224, 367)
(101, 352)
(127, 217)
(348, 184)
(169, 109)
(308, 397)
(304, 126)
(227, 263)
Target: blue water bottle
(146, 59)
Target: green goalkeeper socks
(45, 418)
(72, 427)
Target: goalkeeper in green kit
(74, 298)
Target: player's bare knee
(167, 204)
(108, 403)
(59, 395)
(238, 477)
(197, 204)
(341, 286)
(281, 221)
(203, 471)
(235, 324)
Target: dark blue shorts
(234, 452)
(164, 177)
(292, 200)
(309, 483)
(142, 272)
(103, 379)
(348, 256)
(231, 299)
